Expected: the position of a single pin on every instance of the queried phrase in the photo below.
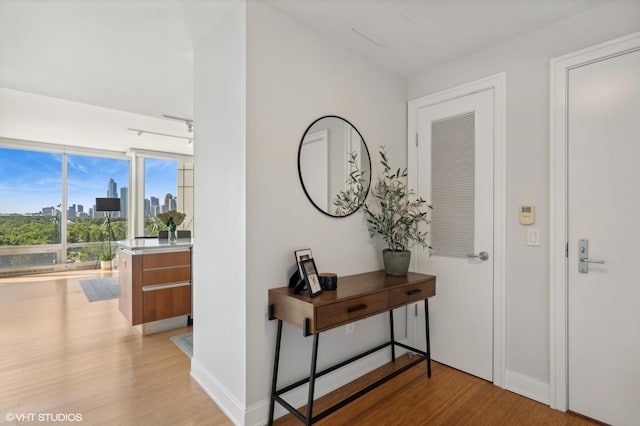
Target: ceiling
(137, 55)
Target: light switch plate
(533, 236)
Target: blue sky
(32, 180)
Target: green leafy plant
(357, 185)
(107, 254)
(392, 213)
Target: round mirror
(334, 166)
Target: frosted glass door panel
(453, 185)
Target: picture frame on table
(311, 277)
(301, 255)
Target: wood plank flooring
(62, 354)
(449, 397)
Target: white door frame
(558, 343)
(497, 83)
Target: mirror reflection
(334, 166)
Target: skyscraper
(169, 203)
(124, 197)
(112, 189)
(155, 206)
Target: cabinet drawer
(163, 260)
(161, 302)
(411, 293)
(340, 313)
(166, 275)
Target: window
(87, 179)
(30, 207)
(168, 185)
(48, 219)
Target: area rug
(100, 288)
(184, 342)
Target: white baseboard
(527, 386)
(225, 400)
(257, 414)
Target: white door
(455, 176)
(603, 207)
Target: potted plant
(397, 217)
(106, 256)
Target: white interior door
(603, 200)
(455, 175)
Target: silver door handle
(583, 256)
(483, 255)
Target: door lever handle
(583, 256)
(483, 255)
(586, 259)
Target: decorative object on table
(296, 281)
(171, 227)
(328, 281)
(396, 217)
(301, 255)
(100, 288)
(311, 278)
(172, 219)
(325, 171)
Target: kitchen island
(155, 283)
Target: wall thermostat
(527, 214)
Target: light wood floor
(62, 354)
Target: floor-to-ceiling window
(168, 186)
(48, 216)
(88, 178)
(30, 208)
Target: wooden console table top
(357, 297)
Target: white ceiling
(137, 55)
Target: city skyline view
(31, 180)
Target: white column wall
(219, 258)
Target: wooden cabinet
(154, 286)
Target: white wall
(526, 61)
(293, 77)
(219, 257)
(37, 118)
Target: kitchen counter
(154, 245)
(154, 278)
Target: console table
(357, 297)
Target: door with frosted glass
(455, 176)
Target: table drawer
(350, 310)
(411, 293)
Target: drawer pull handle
(413, 292)
(357, 308)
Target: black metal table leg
(426, 327)
(274, 380)
(312, 378)
(393, 340)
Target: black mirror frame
(300, 171)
